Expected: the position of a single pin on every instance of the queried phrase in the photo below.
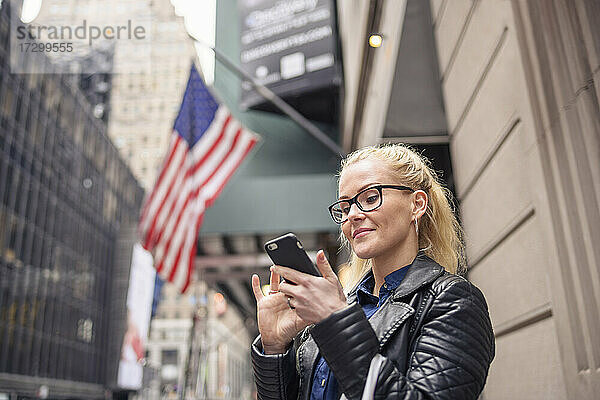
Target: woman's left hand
(313, 298)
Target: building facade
(149, 78)
(64, 192)
(520, 83)
(214, 364)
(144, 105)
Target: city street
(152, 150)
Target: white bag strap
(371, 382)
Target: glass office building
(64, 193)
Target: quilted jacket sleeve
(275, 375)
(450, 357)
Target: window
(169, 357)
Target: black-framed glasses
(366, 200)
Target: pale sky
(200, 21)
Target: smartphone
(287, 251)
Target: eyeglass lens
(366, 201)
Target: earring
(416, 226)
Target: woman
(431, 326)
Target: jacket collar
(387, 319)
(392, 314)
(422, 272)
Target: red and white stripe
(189, 183)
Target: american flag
(206, 147)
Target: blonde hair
(440, 234)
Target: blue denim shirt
(325, 386)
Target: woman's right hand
(278, 324)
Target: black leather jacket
(434, 332)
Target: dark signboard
(291, 46)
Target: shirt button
(385, 285)
(323, 383)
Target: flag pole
(277, 101)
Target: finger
(275, 278)
(258, 294)
(323, 266)
(288, 289)
(290, 274)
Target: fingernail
(321, 255)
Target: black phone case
(287, 251)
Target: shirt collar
(423, 270)
(392, 281)
(365, 290)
